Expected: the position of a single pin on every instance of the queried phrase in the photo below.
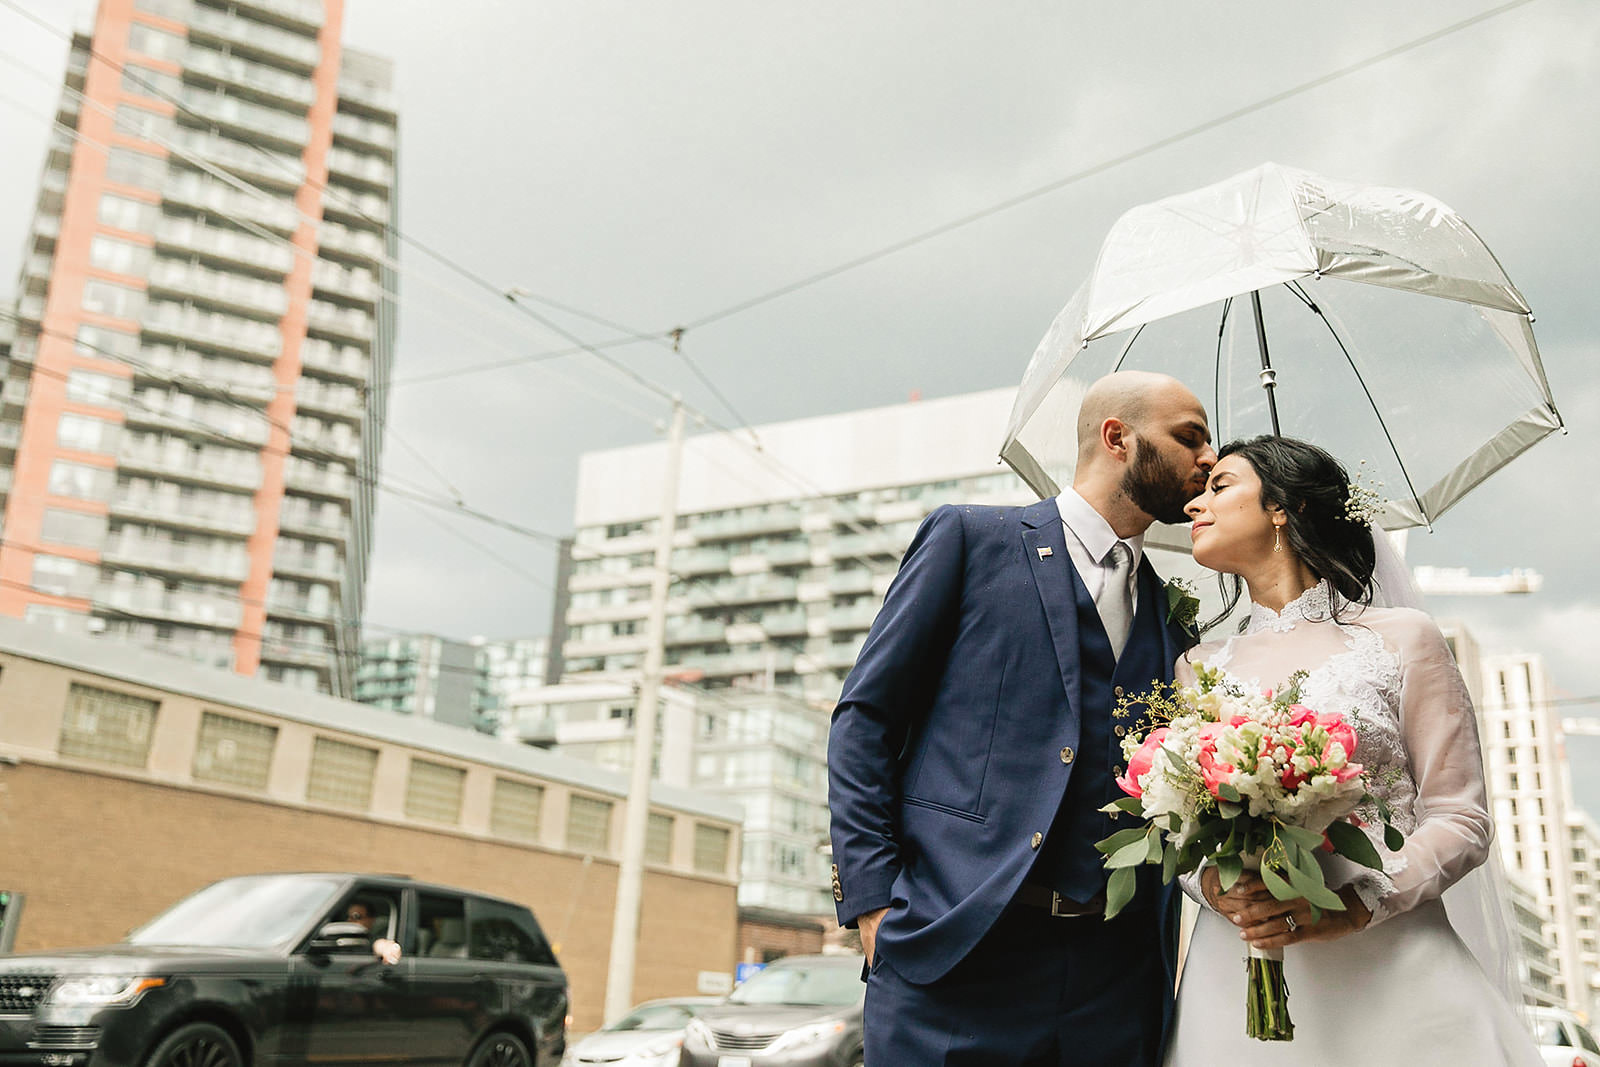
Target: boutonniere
(1183, 607)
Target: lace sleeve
(1439, 729)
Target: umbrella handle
(1269, 377)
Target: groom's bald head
(1130, 397)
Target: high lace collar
(1315, 604)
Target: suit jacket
(944, 762)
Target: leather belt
(1038, 896)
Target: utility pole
(630, 875)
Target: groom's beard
(1155, 486)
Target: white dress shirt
(1090, 539)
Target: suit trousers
(1037, 991)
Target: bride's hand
(1272, 923)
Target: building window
(77, 528)
(658, 839)
(89, 387)
(85, 433)
(158, 44)
(109, 298)
(147, 81)
(711, 848)
(127, 166)
(80, 480)
(433, 792)
(125, 213)
(516, 809)
(60, 576)
(589, 824)
(139, 122)
(106, 726)
(100, 343)
(234, 751)
(118, 256)
(341, 774)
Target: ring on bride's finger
(1288, 920)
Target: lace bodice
(1391, 672)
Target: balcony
(858, 580)
(334, 360)
(367, 97)
(854, 618)
(348, 285)
(304, 15)
(173, 509)
(224, 333)
(331, 401)
(178, 415)
(253, 122)
(300, 653)
(336, 440)
(354, 206)
(251, 79)
(231, 292)
(5, 480)
(304, 522)
(252, 382)
(258, 165)
(754, 589)
(193, 609)
(334, 239)
(147, 553)
(223, 246)
(346, 324)
(175, 460)
(10, 434)
(202, 194)
(784, 623)
(303, 608)
(872, 543)
(695, 631)
(256, 39)
(365, 132)
(308, 565)
(696, 561)
(306, 478)
(746, 524)
(743, 662)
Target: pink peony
(1212, 770)
(1141, 762)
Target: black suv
(279, 969)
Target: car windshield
(251, 912)
(819, 985)
(654, 1017)
(1548, 1032)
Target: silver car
(648, 1036)
(799, 1011)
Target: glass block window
(589, 824)
(711, 848)
(341, 774)
(515, 809)
(433, 792)
(107, 726)
(658, 839)
(234, 751)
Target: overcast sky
(655, 163)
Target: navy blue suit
(952, 750)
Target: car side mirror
(342, 937)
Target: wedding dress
(1405, 989)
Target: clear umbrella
(1370, 320)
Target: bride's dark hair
(1313, 489)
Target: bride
(1388, 980)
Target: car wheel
(196, 1045)
(500, 1049)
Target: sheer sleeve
(1453, 828)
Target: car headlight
(663, 1051)
(807, 1035)
(100, 990)
(697, 1033)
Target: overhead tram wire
(1097, 168)
(256, 230)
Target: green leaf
(1280, 889)
(1172, 758)
(1119, 890)
(1169, 864)
(1393, 839)
(1306, 878)
(1228, 870)
(1153, 846)
(1353, 845)
(1229, 811)
(1131, 805)
(1301, 836)
(1130, 855)
(1119, 839)
(1227, 792)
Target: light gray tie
(1116, 598)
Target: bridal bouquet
(1244, 781)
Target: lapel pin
(1044, 552)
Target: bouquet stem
(1267, 997)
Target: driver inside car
(384, 948)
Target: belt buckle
(1056, 901)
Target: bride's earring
(1277, 538)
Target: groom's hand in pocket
(867, 924)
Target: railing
(228, 245)
(251, 37)
(262, 298)
(223, 332)
(255, 77)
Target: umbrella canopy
(1395, 336)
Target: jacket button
(1118, 690)
(1120, 730)
(1038, 839)
(1067, 755)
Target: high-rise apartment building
(424, 675)
(506, 668)
(1534, 816)
(193, 408)
(782, 555)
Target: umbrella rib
(1399, 459)
(1128, 347)
(1216, 367)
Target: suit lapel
(1052, 576)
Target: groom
(974, 744)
